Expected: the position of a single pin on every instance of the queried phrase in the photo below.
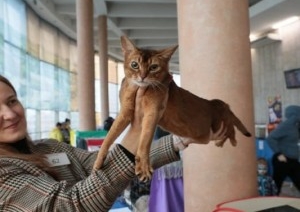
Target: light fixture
(285, 22)
(253, 37)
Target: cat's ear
(168, 52)
(127, 45)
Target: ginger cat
(165, 104)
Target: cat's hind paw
(220, 143)
(233, 142)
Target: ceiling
(151, 23)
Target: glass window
(33, 86)
(15, 22)
(49, 86)
(1, 37)
(33, 124)
(43, 88)
(97, 96)
(15, 69)
(113, 97)
(62, 115)
(47, 121)
(75, 120)
(1, 53)
(64, 90)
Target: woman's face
(12, 116)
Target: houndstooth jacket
(26, 188)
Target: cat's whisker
(156, 84)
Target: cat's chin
(141, 84)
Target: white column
(86, 74)
(215, 52)
(102, 35)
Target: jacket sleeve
(274, 138)
(161, 153)
(24, 187)
(273, 143)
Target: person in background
(68, 123)
(266, 184)
(65, 130)
(108, 123)
(284, 140)
(56, 132)
(71, 132)
(48, 175)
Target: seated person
(266, 184)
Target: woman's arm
(24, 187)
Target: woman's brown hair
(7, 82)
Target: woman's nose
(7, 112)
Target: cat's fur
(164, 103)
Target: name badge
(58, 159)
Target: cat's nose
(143, 76)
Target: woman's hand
(181, 142)
(282, 158)
(130, 140)
(138, 112)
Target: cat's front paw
(143, 169)
(99, 160)
(98, 163)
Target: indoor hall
(65, 61)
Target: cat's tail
(240, 126)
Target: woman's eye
(153, 67)
(134, 65)
(12, 102)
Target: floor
(120, 210)
(289, 190)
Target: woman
(52, 176)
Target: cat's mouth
(141, 83)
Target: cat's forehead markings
(147, 56)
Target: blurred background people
(108, 123)
(285, 142)
(56, 132)
(266, 184)
(65, 132)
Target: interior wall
(268, 65)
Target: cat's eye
(134, 65)
(153, 67)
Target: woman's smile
(12, 126)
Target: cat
(174, 109)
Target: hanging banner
(275, 112)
